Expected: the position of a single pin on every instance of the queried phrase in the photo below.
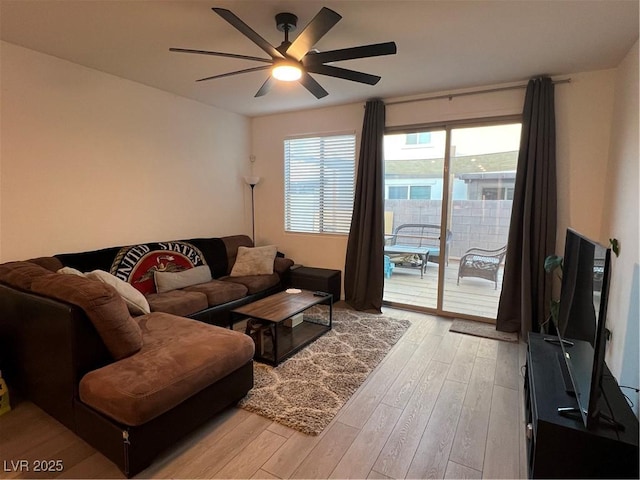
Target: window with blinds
(319, 183)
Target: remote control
(321, 294)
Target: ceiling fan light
(287, 71)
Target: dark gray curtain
(364, 264)
(526, 288)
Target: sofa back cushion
(88, 261)
(50, 263)
(136, 264)
(21, 274)
(101, 303)
(232, 243)
(215, 254)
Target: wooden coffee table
(274, 341)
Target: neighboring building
(475, 177)
(488, 186)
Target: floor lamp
(252, 182)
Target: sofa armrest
(47, 347)
(282, 265)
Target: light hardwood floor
(440, 405)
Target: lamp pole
(252, 182)
(253, 216)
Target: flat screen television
(581, 320)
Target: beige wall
(466, 107)
(620, 220)
(583, 125)
(268, 134)
(91, 160)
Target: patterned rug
(306, 391)
(481, 329)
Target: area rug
(306, 391)
(481, 329)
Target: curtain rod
(450, 96)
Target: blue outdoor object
(388, 266)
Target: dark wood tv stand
(561, 447)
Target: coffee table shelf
(291, 340)
(274, 341)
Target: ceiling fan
(295, 60)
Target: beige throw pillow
(136, 301)
(167, 281)
(254, 261)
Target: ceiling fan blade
(373, 50)
(314, 87)
(247, 70)
(314, 31)
(221, 54)
(344, 73)
(248, 32)
(266, 87)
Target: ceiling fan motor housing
(286, 22)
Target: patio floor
(474, 297)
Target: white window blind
(319, 182)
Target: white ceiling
(442, 44)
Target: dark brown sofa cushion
(50, 263)
(219, 292)
(255, 283)
(102, 304)
(180, 357)
(232, 242)
(21, 274)
(177, 302)
(281, 265)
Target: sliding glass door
(448, 195)
(414, 165)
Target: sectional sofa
(129, 347)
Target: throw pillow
(167, 281)
(254, 261)
(70, 271)
(136, 302)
